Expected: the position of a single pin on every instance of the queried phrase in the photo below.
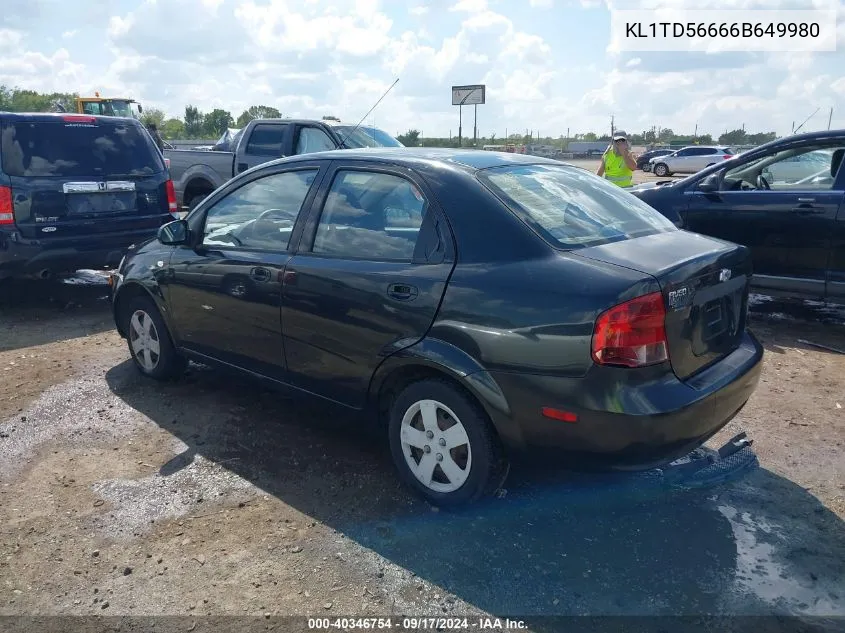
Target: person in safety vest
(618, 163)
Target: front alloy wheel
(149, 341)
(144, 339)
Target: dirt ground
(213, 496)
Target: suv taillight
(172, 205)
(7, 210)
(632, 334)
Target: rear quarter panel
(188, 165)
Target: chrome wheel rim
(144, 340)
(436, 446)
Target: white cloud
(316, 57)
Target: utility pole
(612, 128)
(460, 124)
(830, 118)
(475, 125)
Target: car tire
(661, 170)
(459, 434)
(195, 201)
(154, 354)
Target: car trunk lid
(704, 282)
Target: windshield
(571, 207)
(73, 148)
(365, 137)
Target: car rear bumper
(25, 257)
(628, 425)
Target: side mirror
(174, 233)
(140, 109)
(711, 183)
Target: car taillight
(632, 334)
(7, 211)
(78, 118)
(726, 156)
(172, 205)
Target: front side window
(261, 214)
(810, 167)
(572, 208)
(312, 139)
(370, 215)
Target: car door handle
(259, 274)
(806, 200)
(402, 292)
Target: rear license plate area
(99, 198)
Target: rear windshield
(73, 148)
(571, 207)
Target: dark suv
(76, 191)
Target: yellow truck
(108, 106)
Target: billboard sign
(468, 95)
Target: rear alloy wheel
(660, 169)
(442, 444)
(149, 342)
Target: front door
(367, 281)
(225, 290)
(787, 223)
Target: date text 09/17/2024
(415, 624)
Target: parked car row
(77, 190)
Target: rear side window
(572, 208)
(77, 148)
(266, 140)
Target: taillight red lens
(726, 156)
(7, 210)
(79, 118)
(172, 205)
(632, 334)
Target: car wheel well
(124, 300)
(401, 377)
(198, 187)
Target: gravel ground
(212, 496)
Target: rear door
(75, 178)
(266, 142)
(367, 280)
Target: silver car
(689, 160)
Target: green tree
(154, 116)
(666, 135)
(257, 112)
(734, 137)
(172, 129)
(193, 122)
(411, 138)
(217, 121)
(761, 137)
(590, 137)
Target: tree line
(198, 125)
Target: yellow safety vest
(616, 171)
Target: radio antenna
(805, 120)
(363, 118)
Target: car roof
(53, 116)
(467, 159)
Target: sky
(549, 65)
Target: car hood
(645, 186)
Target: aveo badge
(680, 298)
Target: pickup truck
(196, 173)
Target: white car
(689, 160)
